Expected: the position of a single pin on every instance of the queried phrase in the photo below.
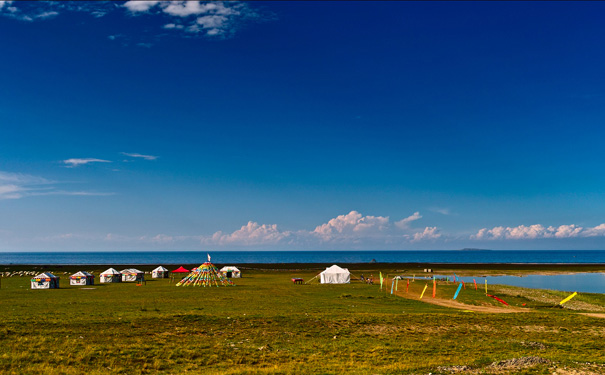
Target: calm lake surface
(243, 257)
(577, 282)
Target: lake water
(577, 282)
(243, 257)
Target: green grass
(266, 324)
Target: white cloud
(203, 18)
(10, 192)
(162, 238)
(140, 5)
(172, 26)
(72, 193)
(135, 155)
(566, 231)
(212, 22)
(50, 14)
(250, 234)
(77, 162)
(188, 8)
(597, 231)
(350, 226)
(429, 233)
(19, 185)
(442, 211)
(405, 223)
(197, 17)
(538, 231)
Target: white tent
(110, 275)
(231, 272)
(132, 274)
(335, 275)
(45, 280)
(159, 273)
(81, 278)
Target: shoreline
(417, 268)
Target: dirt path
(462, 306)
(594, 315)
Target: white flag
(208, 257)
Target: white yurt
(231, 272)
(132, 274)
(45, 280)
(110, 275)
(160, 273)
(82, 278)
(335, 275)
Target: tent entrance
(229, 274)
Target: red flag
(498, 299)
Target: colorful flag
(381, 279)
(424, 290)
(458, 291)
(392, 285)
(485, 286)
(568, 298)
(498, 299)
(475, 284)
(434, 286)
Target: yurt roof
(82, 273)
(130, 270)
(230, 268)
(110, 271)
(160, 268)
(181, 269)
(335, 269)
(46, 275)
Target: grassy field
(266, 324)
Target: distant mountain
(473, 249)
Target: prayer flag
(381, 280)
(475, 284)
(568, 298)
(458, 291)
(498, 299)
(424, 290)
(434, 286)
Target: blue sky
(301, 125)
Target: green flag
(381, 279)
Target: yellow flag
(568, 298)
(424, 290)
(381, 280)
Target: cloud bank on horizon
(350, 231)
